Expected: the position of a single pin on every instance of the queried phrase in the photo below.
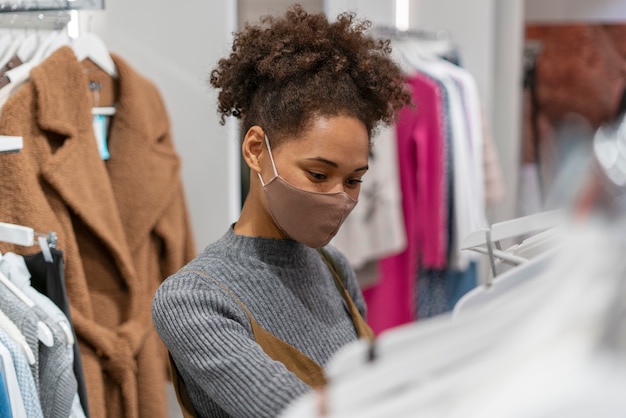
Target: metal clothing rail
(30, 6)
(419, 33)
(40, 19)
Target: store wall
(378, 12)
(176, 45)
(251, 10)
(472, 29)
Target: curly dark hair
(284, 71)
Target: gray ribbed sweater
(288, 290)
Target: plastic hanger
(57, 40)
(515, 227)
(10, 144)
(25, 236)
(504, 283)
(5, 42)
(90, 46)
(44, 334)
(28, 47)
(16, 335)
(45, 40)
(16, 41)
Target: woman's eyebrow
(325, 161)
(334, 164)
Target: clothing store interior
(479, 219)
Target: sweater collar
(275, 251)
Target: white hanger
(5, 42)
(10, 144)
(28, 47)
(25, 236)
(90, 46)
(45, 40)
(44, 334)
(16, 335)
(17, 234)
(515, 228)
(16, 41)
(504, 283)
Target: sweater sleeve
(211, 341)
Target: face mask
(312, 218)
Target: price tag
(100, 129)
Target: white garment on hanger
(16, 270)
(547, 349)
(375, 228)
(16, 335)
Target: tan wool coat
(122, 224)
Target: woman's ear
(252, 147)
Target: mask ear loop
(267, 143)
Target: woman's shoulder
(339, 258)
(203, 271)
(198, 288)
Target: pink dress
(421, 136)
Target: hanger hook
(492, 259)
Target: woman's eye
(354, 182)
(317, 176)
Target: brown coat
(122, 224)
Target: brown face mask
(312, 218)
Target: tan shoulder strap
(181, 391)
(363, 330)
(307, 369)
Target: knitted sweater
(289, 291)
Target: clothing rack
(437, 41)
(42, 14)
(421, 33)
(44, 20)
(21, 6)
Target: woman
(251, 322)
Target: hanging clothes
(421, 134)
(375, 228)
(26, 382)
(58, 373)
(49, 279)
(448, 172)
(122, 224)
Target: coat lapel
(75, 170)
(144, 168)
(123, 199)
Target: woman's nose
(338, 187)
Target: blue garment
(25, 380)
(461, 282)
(5, 403)
(432, 287)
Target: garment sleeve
(211, 341)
